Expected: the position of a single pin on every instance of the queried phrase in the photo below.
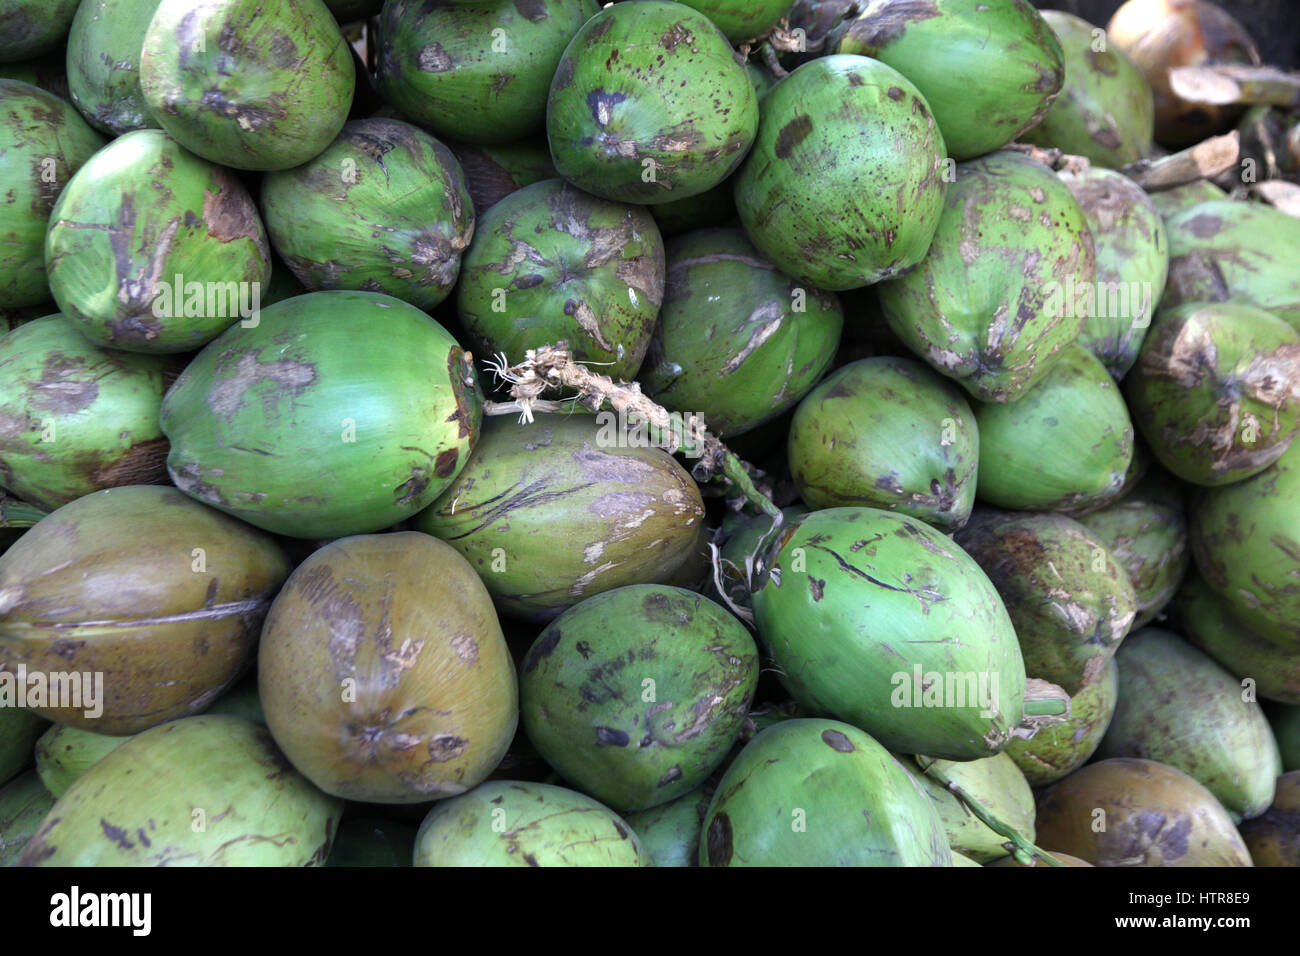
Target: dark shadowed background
(1275, 24)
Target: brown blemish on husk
(889, 24)
(446, 747)
(323, 595)
(545, 645)
(597, 32)
(226, 397)
(466, 648)
(718, 840)
(229, 213)
(792, 134)
(415, 485)
(533, 10)
(284, 52)
(433, 58)
(676, 35)
(62, 387)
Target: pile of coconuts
(719, 432)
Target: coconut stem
(1281, 194)
(1235, 84)
(553, 367)
(1023, 850)
(18, 514)
(737, 472)
(1053, 158)
(1205, 160)
(779, 38)
(772, 63)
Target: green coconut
(252, 84)
(989, 69)
(1134, 812)
(1179, 707)
(742, 20)
(205, 791)
(44, 142)
(1238, 252)
(383, 209)
(1132, 261)
(762, 79)
(104, 64)
(1059, 749)
(151, 249)
(554, 512)
(887, 433)
(23, 805)
(29, 28)
(383, 671)
(1245, 540)
(1216, 391)
(642, 714)
(1285, 721)
(1146, 532)
(812, 792)
(1066, 444)
(318, 380)
(20, 728)
(845, 184)
(670, 832)
(997, 784)
(1070, 600)
(738, 342)
(1170, 202)
(551, 264)
(1274, 838)
(64, 753)
(76, 417)
(988, 305)
(883, 622)
(1271, 670)
(478, 71)
(1106, 110)
(514, 823)
(649, 103)
(1142, 464)
(136, 604)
